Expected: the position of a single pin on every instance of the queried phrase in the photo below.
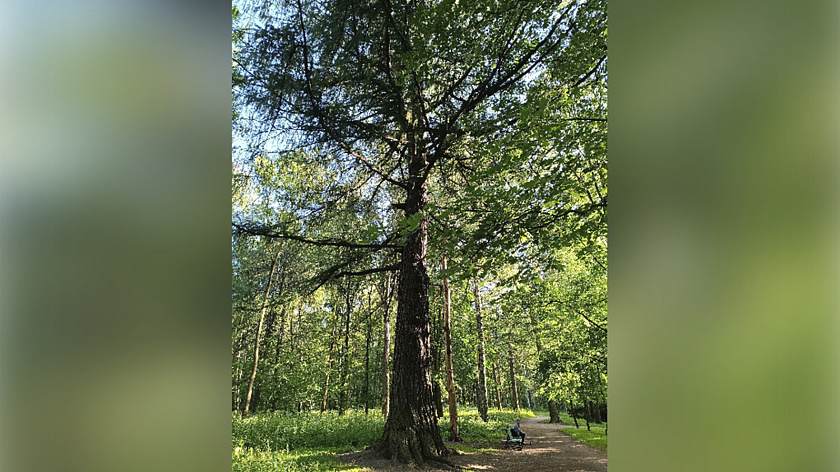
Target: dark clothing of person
(515, 431)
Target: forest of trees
(419, 210)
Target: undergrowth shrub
(305, 460)
(280, 431)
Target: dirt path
(549, 451)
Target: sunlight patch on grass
(596, 438)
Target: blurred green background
(724, 236)
(114, 236)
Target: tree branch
(317, 242)
(388, 268)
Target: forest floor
(546, 449)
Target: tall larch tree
(384, 95)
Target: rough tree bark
(411, 431)
(454, 433)
(259, 334)
(481, 390)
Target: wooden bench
(513, 442)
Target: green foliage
(596, 438)
(335, 98)
(278, 432)
(301, 460)
(472, 428)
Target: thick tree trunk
(454, 433)
(411, 431)
(513, 390)
(259, 334)
(481, 391)
(553, 411)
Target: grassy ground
(306, 442)
(595, 438)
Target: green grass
(285, 442)
(596, 438)
(472, 428)
(302, 460)
(278, 431)
(281, 442)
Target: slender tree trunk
(385, 294)
(481, 391)
(255, 405)
(345, 356)
(366, 392)
(259, 334)
(240, 357)
(513, 390)
(572, 411)
(498, 386)
(438, 399)
(532, 404)
(411, 431)
(454, 433)
(325, 402)
(437, 358)
(588, 412)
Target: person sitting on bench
(515, 431)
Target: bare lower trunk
(259, 334)
(411, 431)
(454, 433)
(481, 390)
